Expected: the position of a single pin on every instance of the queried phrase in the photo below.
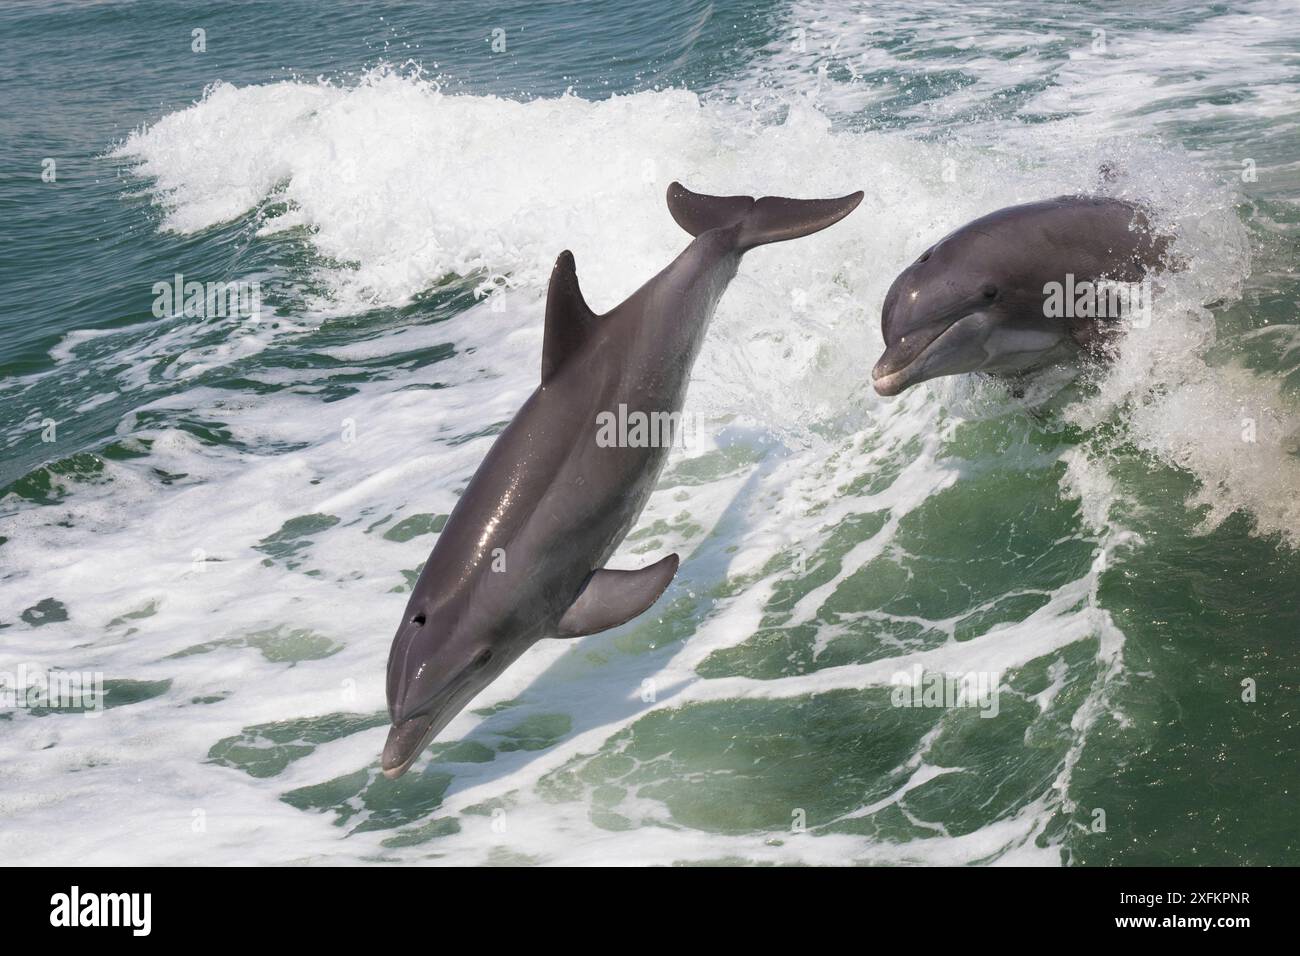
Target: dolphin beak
(888, 382)
(944, 349)
(895, 372)
(406, 741)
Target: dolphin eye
(484, 656)
(990, 292)
(419, 619)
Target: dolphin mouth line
(396, 770)
(433, 722)
(896, 381)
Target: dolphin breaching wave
(235, 564)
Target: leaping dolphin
(522, 555)
(981, 298)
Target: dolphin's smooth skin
(522, 555)
(975, 300)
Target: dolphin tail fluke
(770, 219)
(775, 219)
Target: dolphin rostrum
(1000, 294)
(522, 555)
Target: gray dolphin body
(521, 556)
(977, 300)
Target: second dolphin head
(976, 299)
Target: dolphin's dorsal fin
(610, 598)
(757, 221)
(568, 319)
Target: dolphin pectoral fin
(569, 319)
(770, 219)
(610, 598)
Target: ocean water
(222, 515)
